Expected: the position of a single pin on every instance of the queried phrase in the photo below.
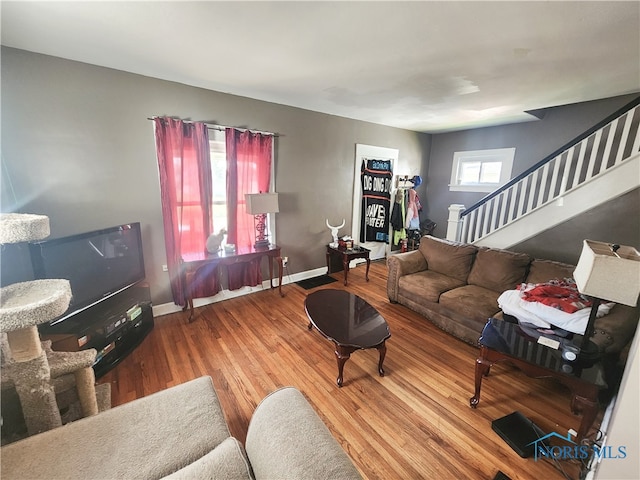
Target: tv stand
(114, 327)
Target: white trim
(167, 308)
(502, 155)
(474, 188)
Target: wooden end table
(503, 341)
(348, 254)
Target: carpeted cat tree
(41, 376)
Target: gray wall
(617, 221)
(534, 141)
(77, 146)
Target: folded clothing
(559, 294)
(512, 302)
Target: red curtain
(248, 171)
(185, 189)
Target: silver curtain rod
(222, 128)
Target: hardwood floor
(415, 422)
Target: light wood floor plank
(415, 422)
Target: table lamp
(259, 205)
(608, 272)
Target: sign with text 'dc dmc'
(375, 178)
(369, 216)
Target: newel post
(454, 223)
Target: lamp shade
(608, 274)
(258, 203)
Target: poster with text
(375, 178)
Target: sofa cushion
(427, 284)
(498, 270)
(448, 258)
(471, 301)
(542, 271)
(227, 461)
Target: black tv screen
(97, 264)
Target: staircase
(598, 166)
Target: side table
(503, 341)
(192, 263)
(348, 254)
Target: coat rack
(403, 181)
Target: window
(219, 210)
(218, 153)
(481, 170)
(190, 202)
(189, 209)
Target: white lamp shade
(602, 274)
(258, 203)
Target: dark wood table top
(522, 343)
(355, 250)
(240, 254)
(346, 319)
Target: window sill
(474, 188)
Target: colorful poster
(375, 178)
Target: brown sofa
(456, 286)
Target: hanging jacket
(397, 217)
(412, 219)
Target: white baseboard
(604, 427)
(167, 308)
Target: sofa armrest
(288, 440)
(402, 264)
(150, 437)
(615, 330)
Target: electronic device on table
(110, 308)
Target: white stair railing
(593, 155)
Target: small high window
(481, 170)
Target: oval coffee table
(349, 322)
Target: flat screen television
(98, 264)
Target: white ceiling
(424, 66)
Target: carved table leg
(270, 271)
(589, 409)
(345, 266)
(342, 355)
(280, 269)
(328, 262)
(189, 305)
(482, 370)
(382, 349)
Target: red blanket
(560, 294)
